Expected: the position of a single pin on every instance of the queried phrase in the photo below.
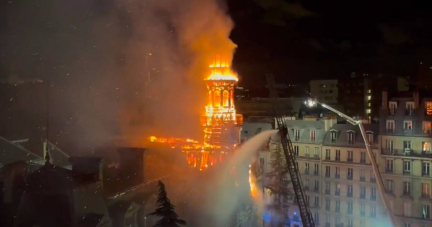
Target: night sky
(302, 40)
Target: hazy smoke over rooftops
(134, 67)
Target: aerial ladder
(305, 214)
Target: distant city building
(355, 95)
(405, 156)
(325, 91)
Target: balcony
(390, 130)
(362, 179)
(407, 172)
(316, 189)
(362, 196)
(373, 197)
(363, 214)
(327, 158)
(373, 215)
(362, 161)
(327, 192)
(337, 193)
(350, 211)
(425, 196)
(327, 208)
(337, 210)
(373, 180)
(337, 159)
(389, 191)
(327, 175)
(349, 159)
(316, 156)
(350, 177)
(406, 152)
(389, 171)
(316, 173)
(306, 188)
(349, 194)
(406, 193)
(337, 176)
(306, 172)
(307, 155)
(425, 174)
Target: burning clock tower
(221, 123)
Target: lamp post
(311, 103)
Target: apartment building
(349, 189)
(405, 157)
(325, 91)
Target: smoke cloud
(129, 68)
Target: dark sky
(300, 40)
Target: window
(316, 168)
(406, 188)
(407, 145)
(389, 166)
(409, 107)
(362, 175)
(327, 171)
(337, 158)
(407, 224)
(327, 204)
(316, 186)
(390, 125)
(337, 189)
(389, 146)
(327, 157)
(425, 168)
(337, 173)
(306, 168)
(349, 156)
(350, 174)
(327, 188)
(362, 210)
(350, 207)
(307, 151)
(297, 134)
(373, 194)
(362, 192)
(316, 201)
(349, 190)
(296, 150)
(425, 190)
(407, 209)
(370, 137)
(407, 167)
(351, 137)
(316, 151)
(333, 136)
(312, 135)
(337, 206)
(428, 108)
(426, 211)
(407, 125)
(373, 210)
(307, 183)
(392, 107)
(426, 147)
(316, 217)
(372, 177)
(350, 222)
(389, 185)
(307, 199)
(363, 157)
(426, 126)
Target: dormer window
(296, 134)
(312, 135)
(409, 108)
(351, 138)
(392, 107)
(369, 136)
(333, 136)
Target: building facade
(325, 91)
(405, 157)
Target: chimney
(384, 99)
(132, 164)
(87, 168)
(416, 99)
(329, 121)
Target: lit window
(369, 91)
(368, 111)
(426, 127)
(369, 97)
(369, 104)
(429, 108)
(426, 147)
(407, 125)
(425, 190)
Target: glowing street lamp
(311, 102)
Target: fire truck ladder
(305, 214)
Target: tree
(169, 217)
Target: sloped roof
(305, 127)
(342, 135)
(10, 153)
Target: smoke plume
(129, 68)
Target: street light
(312, 103)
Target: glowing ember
(251, 183)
